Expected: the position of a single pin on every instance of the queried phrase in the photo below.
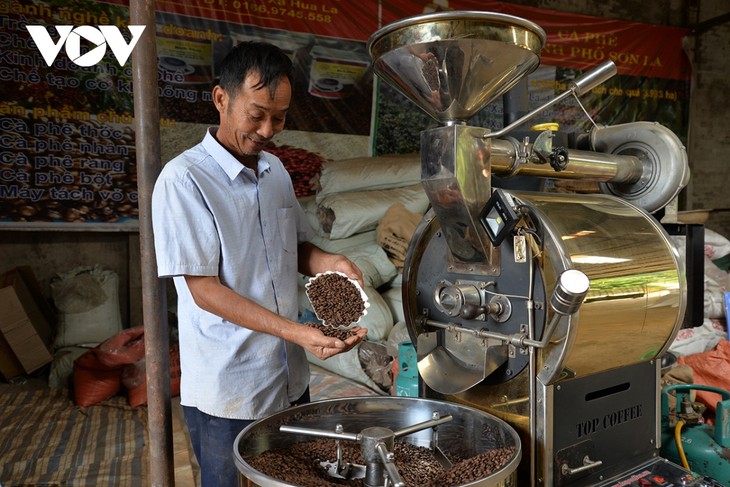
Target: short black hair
(268, 60)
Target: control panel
(660, 473)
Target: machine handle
(431, 423)
(595, 77)
(583, 84)
(320, 433)
(387, 457)
(587, 465)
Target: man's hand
(342, 264)
(313, 260)
(214, 297)
(324, 347)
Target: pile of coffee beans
(341, 333)
(301, 165)
(335, 299)
(474, 468)
(299, 464)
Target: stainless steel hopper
(452, 64)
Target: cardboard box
(10, 366)
(26, 324)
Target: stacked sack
(118, 364)
(86, 300)
(703, 337)
(353, 195)
(703, 348)
(366, 208)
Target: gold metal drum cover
(637, 296)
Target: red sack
(124, 348)
(710, 368)
(94, 381)
(134, 378)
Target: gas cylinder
(691, 442)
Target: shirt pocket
(287, 229)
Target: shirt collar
(230, 165)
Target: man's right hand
(324, 347)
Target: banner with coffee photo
(652, 84)
(67, 158)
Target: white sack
(367, 173)
(87, 304)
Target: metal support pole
(154, 296)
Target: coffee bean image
(336, 300)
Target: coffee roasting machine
(539, 318)
(550, 311)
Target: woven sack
(93, 381)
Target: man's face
(250, 119)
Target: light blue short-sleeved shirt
(212, 217)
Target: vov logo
(70, 36)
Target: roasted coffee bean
(341, 333)
(335, 299)
(299, 464)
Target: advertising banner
(67, 157)
(67, 152)
(652, 84)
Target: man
(229, 230)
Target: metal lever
(387, 457)
(335, 435)
(583, 84)
(587, 465)
(431, 423)
(437, 452)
